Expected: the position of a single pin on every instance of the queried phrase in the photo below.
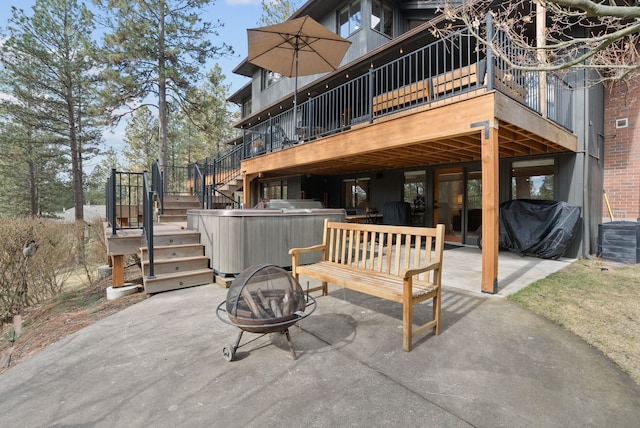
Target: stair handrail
(147, 221)
(110, 202)
(220, 171)
(157, 185)
(199, 184)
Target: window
(382, 17)
(246, 107)
(532, 179)
(269, 78)
(413, 193)
(356, 193)
(349, 19)
(274, 190)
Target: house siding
(622, 152)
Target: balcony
(447, 71)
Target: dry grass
(598, 301)
(60, 316)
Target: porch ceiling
(405, 141)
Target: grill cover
(539, 228)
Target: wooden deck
(473, 126)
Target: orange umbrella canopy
(298, 47)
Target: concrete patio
(159, 363)
(463, 270)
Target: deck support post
(117, 272)
(246, 193)
(490, 156)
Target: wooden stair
(179, 262)
(227, 189)
(176, 207)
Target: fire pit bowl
(263, 299)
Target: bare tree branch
(601, 36)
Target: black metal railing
(157, 185)
(198, 179)
(124, 200)
(177, 180)
(147, 221)
(207, 176)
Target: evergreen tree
(277, 11)
(155, 49)
(48, 61)
(141, 136)
(32, 185)
(208, 118)
(96, 181)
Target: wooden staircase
(227, 189)
(175, 208)
(179, 260)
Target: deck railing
(124, 200)
(208, 175)
(147, 220)
(455, 66)
(157, 185)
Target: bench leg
(325, 289)
(407, 324)
(436, 311)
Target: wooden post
(490, 207)
(117, 272)
(246, 190)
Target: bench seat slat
(385, 286)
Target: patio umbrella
(297, 47)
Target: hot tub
(237, 239)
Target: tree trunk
(33, 187)
(162, 99)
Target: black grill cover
(539, 228)
(396, 214)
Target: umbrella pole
(295, 97)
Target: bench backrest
(466, 77)
(381, 248)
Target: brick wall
(622, 152)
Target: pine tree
(48, 61)
(141, 136)
(155, 49)
(277, 11)
(208, 118)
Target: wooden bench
(466, 77)
(396, 263)
(403, 95)
(508, 84)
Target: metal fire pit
(263, 299)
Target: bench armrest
(407, 273)
(295, 251)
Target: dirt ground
(48, 322)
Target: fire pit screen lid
(264, 292)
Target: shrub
(28, 280)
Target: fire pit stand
(263, 299)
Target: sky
(237, 16)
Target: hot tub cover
(539, 228)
